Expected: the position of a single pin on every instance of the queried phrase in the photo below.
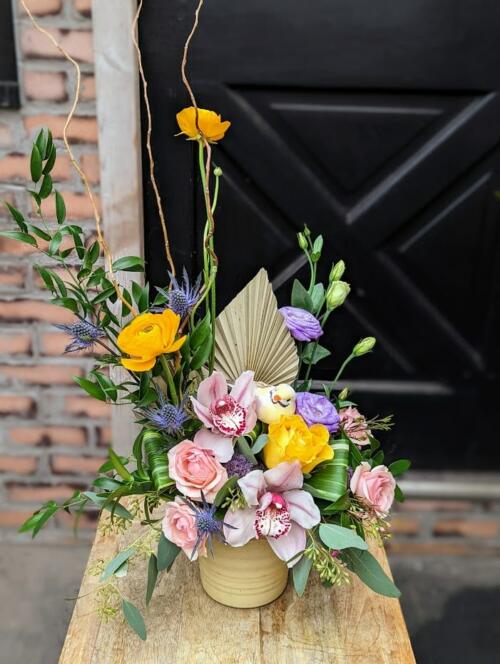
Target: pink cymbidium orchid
(225, 415)
(277, 509)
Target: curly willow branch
(208, 148)
(152, 177)
(100, 237)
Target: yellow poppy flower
(290, 439)
(148, 336)
(209, 122)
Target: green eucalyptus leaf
(370, 572)
(245, 449)
(337, 537)
(167, 553)
(260, 443)
(300, 574)
(134, 618)
(152, 577)
(116, 563)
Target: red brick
(88, 407)
(45, 85)
(81, 130)
(403, 525)
(54, 344)
(84, 7)
(78, 43)
(42, 7)
(75, 465)
(38, 493)
(104, 436)
(87, 89)
(13, 518)
(91, 167)
(29, 310)
(42, 374)
(425, 505)
(12, 277)
(464, 528)
(14, 341)
(78, 206)
(6, 137)
(71, 436)
(14, 404)
(15, 247)
(18, 465)
(16, 166)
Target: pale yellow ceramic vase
(243, 577)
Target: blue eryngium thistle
(85, 335)
(207, 524)
(182, 297)
(168, 417)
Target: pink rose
(354, 425)
(179, 526)
(196, 469)
(375, 486)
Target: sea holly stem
(170, 381)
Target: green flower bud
(217, 171)
(337, 271)
(364, 346)
(307, 232)
(344, 394)
(302, 241)
(336, 294)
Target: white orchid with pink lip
(278, 509)
(225, 415)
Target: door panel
(378, 125)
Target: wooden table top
(335, 626)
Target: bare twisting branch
(152, 177)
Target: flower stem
(170, 380)
(344, 364)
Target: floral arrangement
(233, 458)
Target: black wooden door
(378, 124)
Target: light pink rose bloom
(277, 509)
(225, 415)
(194, 470)
(179, 526)
(375, 486)
(354, 425)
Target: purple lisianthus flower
(302, 325)
(317, 409)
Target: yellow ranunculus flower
(291, 439)
(148, 336)
(209, 122)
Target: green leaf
(201, 332)
(260, 443)
(39, 232)
(60, 208)
(108, 387)
(317, 297)
(36, 166)
(19, 235)
(245, 449)
(108, 465)
(107, 483)
(17, 216)
(152, 576)
(339, 505)
(167, 553)
(225, 490)
(55, 243)
(116, 563)
(312, 356)
(398, 494)
(370, 572)
(399, 467)
(46, 276)
(93, 253)
(129, 264)
(41, 141)
(355, 456)
(336, 537)
(51, 160)
(39, 518)
(329, 480)
(134, 619)
(60, 284)
(118, 465)
(91, 388)
(46, 187)
(300, 574)
(201, 356)
(378, 458)
(115, 507)
(300, 297)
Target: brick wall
(52, 437)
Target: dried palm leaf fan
(251, 334)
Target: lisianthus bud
(336, 294)
(307, 232)
(337, 271)
(364, 346)
(344, 394)
(302, 241)
(217, 171)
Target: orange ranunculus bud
(210, 123)
(148, 336)
(290, 439)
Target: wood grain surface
(351, 624)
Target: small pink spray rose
(375, 486)
(195, 470)
(179, 526)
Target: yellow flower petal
(210, 124)
(138, 364)
(290, 439)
